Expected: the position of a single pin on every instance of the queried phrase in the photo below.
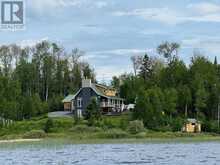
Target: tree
(174, 75)
(170, 104)
(216, 61)
(6, 60)
(88, 72)
(184, 98)
(146, 68)
(204, 80)
(149, 107)
(116, 82)
(201, 100)
(35, 78)
(93, 113)
(168, 50)
(136, 62)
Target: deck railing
(107, 104)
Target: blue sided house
(107, 98)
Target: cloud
(204, 8)
(52, 5)
(101, 4)
(122, 52)
(163, 15)
(206, 44)
(200, 12)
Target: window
(79, 102)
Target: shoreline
(20, 140)
(62, 140)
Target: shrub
(177, 124)
(48, 125)
(141, 135)
(35, 134)
(210, 126)
(136, 126)
(114, 134)
(107, 124)
(85, 129)
(123, 124)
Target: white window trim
(79, 102)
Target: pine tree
(216, 61)
(146, 68)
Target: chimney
(86, 83)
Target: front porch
(111, 106)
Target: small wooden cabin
(192, 126)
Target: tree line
(34, 80)
(166, 91)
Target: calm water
(112, 154)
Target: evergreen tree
(146, 68)
(93, 113)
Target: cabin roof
(192, 121)
(68, 99)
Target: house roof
(101, 92)
(68, 99)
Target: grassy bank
(112, 130)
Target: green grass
(112, 129)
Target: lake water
(112, 154)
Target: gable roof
(99, 92)
(68, 99)
(192, 121)
(102, 93)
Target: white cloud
(101, 4)
(204, 8)
(122, 52)
(163, 15)
(200, 12)
(52, 5)
(207, 44)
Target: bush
(141, 135)
(166, 128)
(177, 124)
(114, 134)
(35, 134)
(107, 124)
(210, 126)
(48, 125)
(136, 126)
(85, 129)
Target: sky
(111, 31)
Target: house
(192, 126)
(106, 97)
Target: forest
(165, 90)
(34, 80)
